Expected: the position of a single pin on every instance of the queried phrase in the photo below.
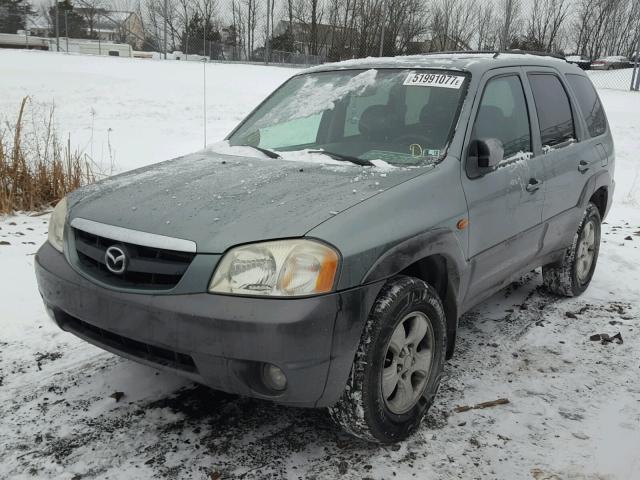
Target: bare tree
(486, 31)
(453, 24)
(509, 12)
(546, 19)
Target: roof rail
(535, 52)
(472, 52)
(497, 53)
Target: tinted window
(589, 104)
(554, 109)
(503, 115)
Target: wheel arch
(600, 199)
(597, 190)
(435, 257)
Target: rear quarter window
(589, 102)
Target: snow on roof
(452, 61)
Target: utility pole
(166, 9)
(204, 35)
(57, 26)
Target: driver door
(505, 204)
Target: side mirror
(484, 155)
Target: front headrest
(375, 121)
(441, 106)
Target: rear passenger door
(561, 140)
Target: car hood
(219, 200)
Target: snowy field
(574, 410)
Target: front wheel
(571, 276)
(398, 364)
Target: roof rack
(537, 53)
(497, 53)
(472, 52)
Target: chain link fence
(258, 31)
(623, 78)
(198, 49)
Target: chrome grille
(148, 268)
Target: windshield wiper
(268, 153)
(344, 158)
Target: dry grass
(36, 168)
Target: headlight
(283, 268)
(56, 225)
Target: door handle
(583, 166)
(533, 185)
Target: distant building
(113, 26)
(326, 36)
(71, 45)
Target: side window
(589, 104)
(553, 108)
(503, 115)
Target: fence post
(57, 26)
(165, 29)
(267, 42)
(66, 29)
(635, 76)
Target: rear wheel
(398, 364)
(572, 275)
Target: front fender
(439, 241)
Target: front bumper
(220, 341)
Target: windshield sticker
(442, 80)
(416, 150)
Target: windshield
(403, 117)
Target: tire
(366, 410)
(572, 275)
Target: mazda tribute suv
(322, 254)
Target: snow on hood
(304, 156)
(220, 200)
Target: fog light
(273, 377)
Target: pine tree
(72, 24)
(13, 14)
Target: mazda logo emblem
(115, 258)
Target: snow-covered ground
(574, 410)
(133, 111)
